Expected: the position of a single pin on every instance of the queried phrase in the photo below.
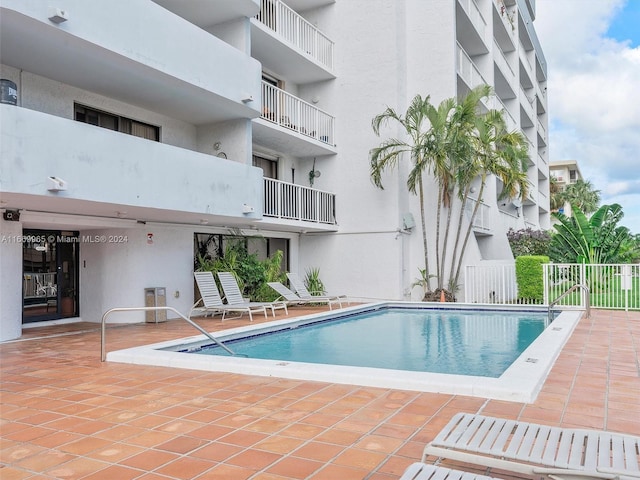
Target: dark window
(269, 167)
(117, 123)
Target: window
(269, 167)
(116, 123)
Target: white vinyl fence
(615, 286)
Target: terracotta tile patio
(65, 414)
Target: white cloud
(594, 97)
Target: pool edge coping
(521, 382)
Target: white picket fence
(611, 286)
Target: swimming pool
(437, 341)
(521, 381)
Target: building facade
(121, 147)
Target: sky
(592, 49)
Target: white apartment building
(125, 138)
(565, 173)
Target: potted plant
(67, 302)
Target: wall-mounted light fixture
(56, 184)
(247, 99)
(247, 209)
(57, 15)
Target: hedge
(530, 277)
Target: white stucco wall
(10, 280)
(116, 274)
(382, 63)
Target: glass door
(49, 275)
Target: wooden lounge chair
(300, 289)
(422, 471)
(233, 295)
(535, 449)
(212, 302)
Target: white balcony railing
(296, 30)
(482, 218)
(542, 131)
(288, 111)
(467, 69)
(503, 63)
(296, 202)
(476, 18)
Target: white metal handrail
(289, 111)
(103, 335)
(297, 202)
(572, 289)
(296, 30)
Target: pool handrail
(103, 340)
(575, 287)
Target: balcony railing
(482, 218)
(467, 69)
(288, 111)
(296, 30)
(296, 202)
(476, 18)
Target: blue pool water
(454, 342)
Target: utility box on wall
(155, 297)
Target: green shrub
(530, 277)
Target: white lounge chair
(422, 471)
(293, 299)
(233, 295)
(534, 449)
(212, 302)
(300, 289)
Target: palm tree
(497, 152)
(555, 194)
(415, 123)
(583, 195)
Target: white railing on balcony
(467, 70)
(296, 30)
(527, 103)
(296, 202)
(503, 63)
(288, 111)
(473, 12)
(482, 218)
(542, 131)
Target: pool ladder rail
(572, 289)
(103, 340)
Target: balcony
(467, 70)
(137, 65)
(287, 121)
(471, 27)
(205, 14)
(112, 174)
(285, 42)
(298, 207)
(481, 222)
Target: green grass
(605, 293)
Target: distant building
(565, 172)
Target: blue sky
(626, 24)
(592, 48)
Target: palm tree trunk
(438, 215)
(424, 234)
(469, 228)
(458, 231)
(443, 260)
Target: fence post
(545, 283)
